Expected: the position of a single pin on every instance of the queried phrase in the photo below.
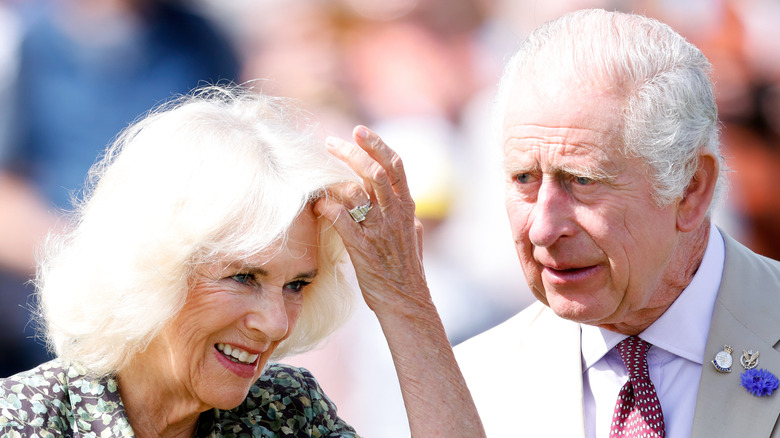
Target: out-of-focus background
(422, 73)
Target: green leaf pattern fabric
(56, 400)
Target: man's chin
(583, 313)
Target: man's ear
(692, 208)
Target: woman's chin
(226, 397)
(226, 388)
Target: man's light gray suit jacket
(526, 374)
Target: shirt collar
(682, 330)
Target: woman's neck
(157, 404)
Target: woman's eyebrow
(309, 275)
(264, 273)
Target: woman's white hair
(222, 172)
(669, 112)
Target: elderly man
(610, 138)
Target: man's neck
(680, 269)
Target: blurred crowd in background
(422, 73)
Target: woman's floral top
(55, 400)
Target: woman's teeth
(236, 353)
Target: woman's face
(236, 314)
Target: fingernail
(331, 142)
(361, 132)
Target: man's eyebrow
(593, 173)
(514, 167)
(596, 174)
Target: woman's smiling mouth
(236, 354)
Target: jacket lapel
(746, 317)
(553, 370)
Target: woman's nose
(268, 315)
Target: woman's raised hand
(386, 245)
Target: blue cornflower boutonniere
(759, 382)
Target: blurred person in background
(86, 69)
(295, 47)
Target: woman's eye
(523, 178)
(243, 278)
(298, 286)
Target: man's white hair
(669, 112)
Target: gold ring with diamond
(359, 213)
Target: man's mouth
(568, 270)
(564, 275)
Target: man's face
(592, 243)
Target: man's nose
(551, 214)
(269, 315)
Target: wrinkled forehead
(550, 104)
(571, 130)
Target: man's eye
(243, 278)
(523, 178)
(583, 181)
(298, 286)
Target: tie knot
(633, 351)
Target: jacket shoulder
(496, 337)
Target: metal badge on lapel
(760, 383)
(749, 359)
(723, 360)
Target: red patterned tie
(638, 411)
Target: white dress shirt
(678, 337)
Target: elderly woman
(208, 243)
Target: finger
(376, 180)
(369, 191)
(363, 165)
(390, 161)
(346, 197)
(350, 194)
(418, 226)
(334, 212)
